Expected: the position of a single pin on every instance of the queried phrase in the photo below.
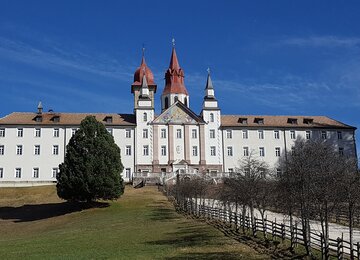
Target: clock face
(178, 149)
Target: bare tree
(309, 185)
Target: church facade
(32, 145)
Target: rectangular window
(37, 149)
(56, 132)
(73, 131)
(37, 132)
(245, 134)
(145, 133)
(194, 151)
(341, 151)
(1, 173)
(212, 133)
(212, 150)
(261, 134)
(323, 135)
(230, 170)
(128, 150)
(128, 173)
(246, 151)
(277, 151)
(178, 133)
(20, 132)
(35, 172)
(2, 132)
(229, 151)
(55, 149)
(2, 150)
(262, 151)
(110, 130)
(292, 150)
(18, 173)
(308, 135)
(276, 134)
(19, 149)
(339, 135)
(193, 133)
(163, 150)
(292, 134)
(54, 172)
(278, 172)
(146, 150)
(163, 133)
(127, 133)
(228, 133)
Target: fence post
(273, 226)
(338, 249)
(254, 227)
(322, 246)
(264, 227)
(291, 237)
(357, 250)
(282, 231)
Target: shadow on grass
(35, 212)
(160, 212)
(185, 237)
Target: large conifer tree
(92, 167)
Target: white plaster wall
(179, 143)
(217, 141)
(161, 142)
(194, 142)
(270, 143)
(140, 141)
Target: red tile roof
(21, 118)
(281, 121)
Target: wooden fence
(337, 248)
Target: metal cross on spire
(173, 42)
(143, 50)
(208, 71)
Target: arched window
(211, 117)
(185, 101)
(166, 102)
(176, 99)
(145, 117)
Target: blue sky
(266, 57)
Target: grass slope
(35, 224)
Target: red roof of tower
(139, 73)
(174, 77)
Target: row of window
(245, 134)
(308, 134)
(262, 151)
(20, 148)
(37, 132)
(35, 173)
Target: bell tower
(136, 87)
(174, 83)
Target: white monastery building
(32, 145)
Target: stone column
(187, 143)
(156, 148)
(202, 147)
(171, 143)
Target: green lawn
(142, 224)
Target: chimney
(40, 108)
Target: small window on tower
(166, 102)
(185, 101)
(145, 117)
(211, 117)
(176, 99)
